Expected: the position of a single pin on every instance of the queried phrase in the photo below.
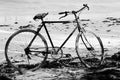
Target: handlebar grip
(66, 12)
(61, 13)
(85, 5)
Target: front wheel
(89, 48)
(18, 53)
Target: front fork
(89, 46)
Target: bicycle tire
(18, 41)
(89, 48)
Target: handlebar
(64, 12)
(73, 12)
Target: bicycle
(30, 47)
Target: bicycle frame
(49, 37)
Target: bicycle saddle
(40, 16)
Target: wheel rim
(90, 54)
(15, 49)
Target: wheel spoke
(89, 49)
(17, 52)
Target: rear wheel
(89, 49)
(18, 53)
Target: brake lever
(64, 15)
